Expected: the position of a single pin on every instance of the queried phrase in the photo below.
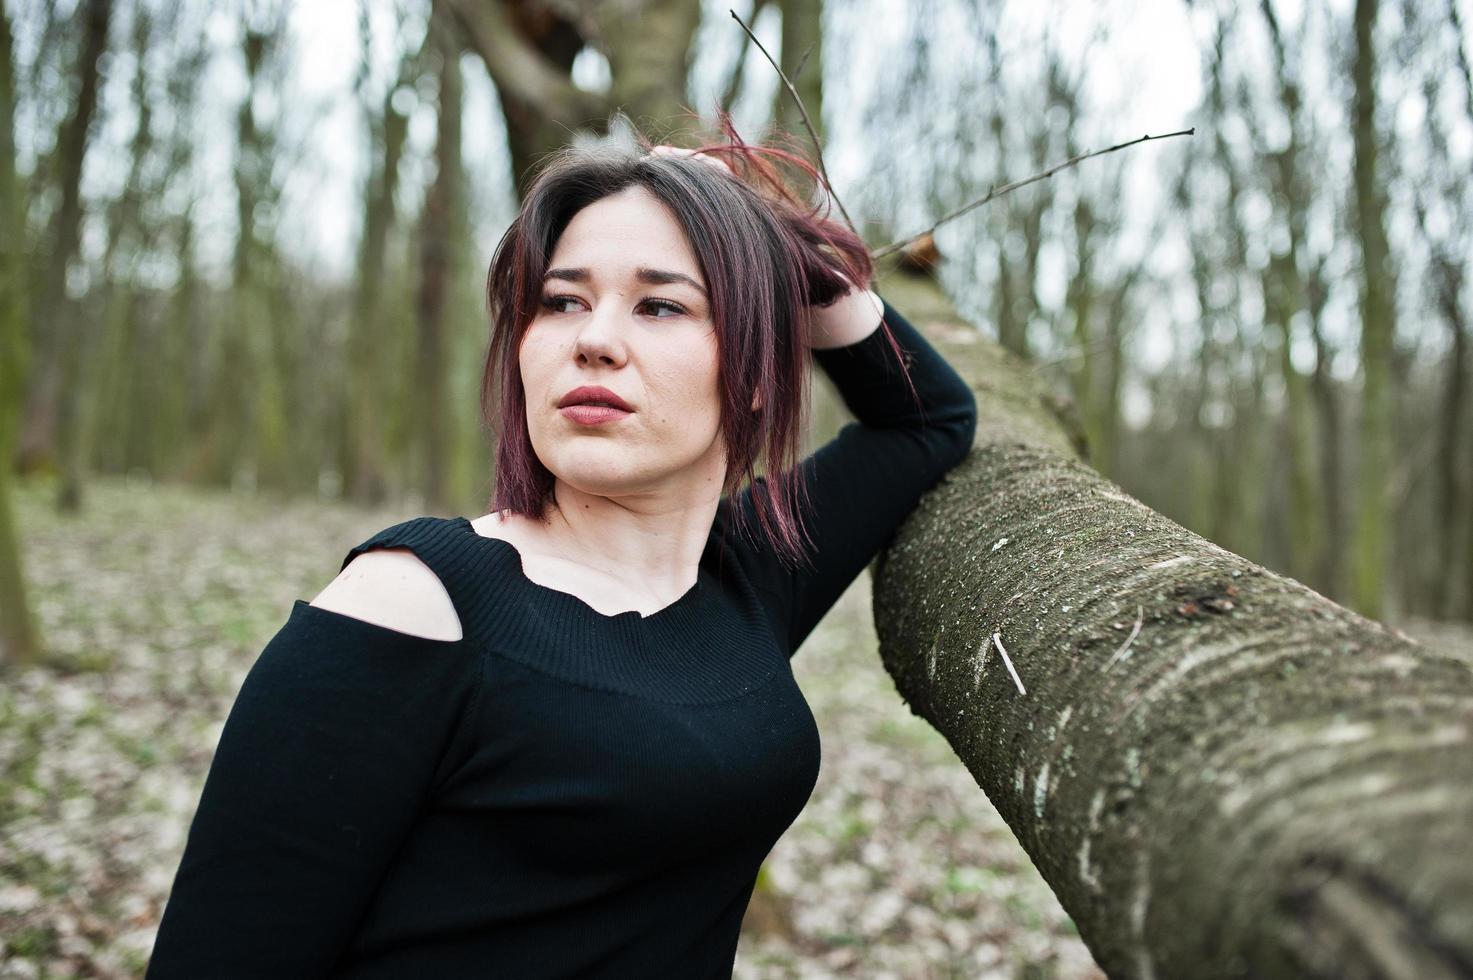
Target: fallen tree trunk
(1219, 772)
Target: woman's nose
(599, 335)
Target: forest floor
(156, 601)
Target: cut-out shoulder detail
(392, 588)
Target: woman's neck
(650, 543)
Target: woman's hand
(664, 150)
(847, 320)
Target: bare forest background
(1263, 329)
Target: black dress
(559, 793)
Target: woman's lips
(593, 414)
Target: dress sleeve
(864, 482)
(328, 754)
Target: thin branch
(994, 193)
(807, 123)
(1075, 354)
(734, 83)
(1124, 652)
(1007, 661)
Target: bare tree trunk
(121, 358)
(1219, 772)
(1453, 502)
(437, 264)
(177, 379)
(189, 350)
(1079, 300)
(647, 43)
(1285, 296)
(244, 402)
(1378, 327)
(528, 51)
(1331, 577)
(802, 61)
(48, 432)
(363, 469)
(1281, 289)
(1117, 318)
(20, 641)
(1461, 368)
(1236, 497)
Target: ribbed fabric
(558, 793)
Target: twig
(994, 193)
(1007, 661)
(734, 83)
(1075, 353)
(807, 123)
(804, 60)
(1121, 654)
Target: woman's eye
(663, 308)
(554, 303)
(664, 304)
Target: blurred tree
(362, 460)
(647, 43)
(1239, 407)
(176, 416)
(119, 372)
(1283, 303)
(247, 425)
(738, 74)
(48, 436)
(440, 234)
(20, 642)
(1016, 293)
(802, 61)
(1378, 328)
(1457, 416)
(528, 49)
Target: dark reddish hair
(766, 258)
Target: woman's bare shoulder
(392, 588)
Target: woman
(559, 740)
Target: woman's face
(624, 308)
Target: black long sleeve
(866, 480)
(325, 760)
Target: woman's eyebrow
(653, 277)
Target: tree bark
(1218, 771)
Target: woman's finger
(676, 151)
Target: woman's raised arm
(865, 481)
